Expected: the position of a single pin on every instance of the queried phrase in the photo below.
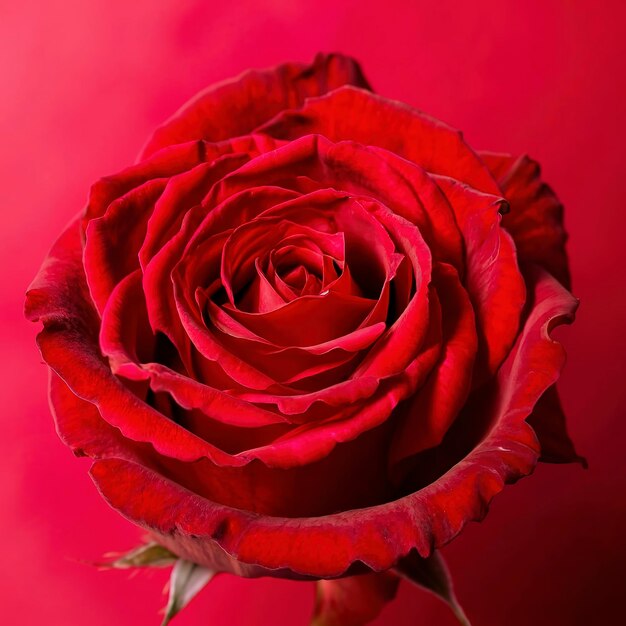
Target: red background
(84, 82)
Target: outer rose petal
(372, 120)
(124, 222)
(536, 216)
(236, 107)
(494, 282)
(81, 428)
(329, 546)
(166, 163)
(69, 345)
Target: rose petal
(126, 211)
(236, 107)
(220, 159)
(312, 163)
(317, 315)
(82, 429)
(257, 238)
(427, 416)
(69, 345)
(314, 440)
(113, 240)
(493, 279)
(402, 342)
(327, 546)
(536, 216)
(213, 403)
(168, 162)
(182, 193)
(124, 331)
(260, 295)
(349, 113)
(291, 364)
(161, 304)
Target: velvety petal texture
(307, 334)
(536, 216)
(237, 106)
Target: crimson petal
(113, 240)
(536, 216)
(493, 279)
(82, 429)
(326, 547)
(427, 416)
(349, 113)
(236, 107)
(69, 345)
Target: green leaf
(186, 581)
(149, 555)
(432, 574)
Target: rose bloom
(307, 334)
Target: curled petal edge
(335, 545)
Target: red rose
(308, 333)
